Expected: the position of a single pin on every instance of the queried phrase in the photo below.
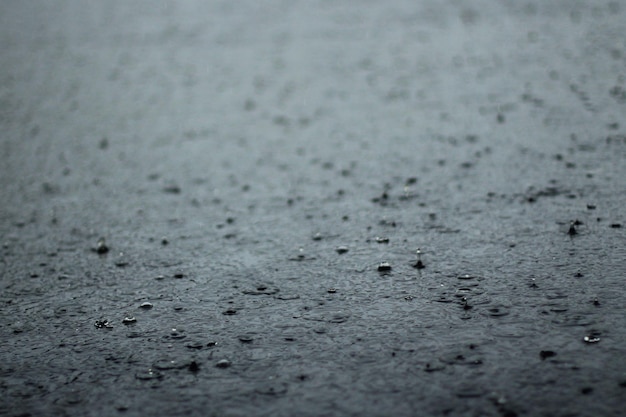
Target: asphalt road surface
(214, 207)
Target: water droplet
(434, 368)
(169, 364)
(101, 246)
(103, 324)
(272, 388)
(194, 345)
(384, 267)
(245, 338)
(149, 374)
(129, 320)
(466, 276)
(381, 239)
(261, 290)
(591, 339)
(193, 367)
(223, 363)
(572, 230)
(341, 250)
(176, 334)
(146, 305)
(121, 261)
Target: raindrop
(103, 324)
(121, 261)
(245, 338)
(168, 364)
(176, 334)
(101, 246)
(147, 375)
(497, 311)
(384, 267)
(419, 264)
(272, 389)
(129, 320)
(466, 277)
(434, 368)
(223, 363)
(194, 345)
(572, 230)
(146, 305)
(544, 354)
(194, 367)
(341, 250)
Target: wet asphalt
(215, 208)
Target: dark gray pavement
(226, 149)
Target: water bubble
(572, 230)
(193, 367)
(194, 345)
(434, 368)
(101, 246)
(121, 261)
(384, 267)
(245, 338)
(466, 277)
(271, 388)
(169, 364)
(176, 334)
(223, 363)
(149, 374)
(544, 354)
(103, 324)
(341, 250)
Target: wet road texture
(214, 208)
